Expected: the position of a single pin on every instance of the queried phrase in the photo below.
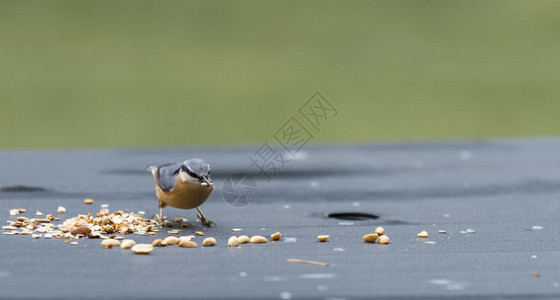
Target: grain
(384, 240)
(276, 236)
(88, 201)
(14, 212)
(200, 233)
(209, 242)
(305, 261)
(423, 234)
(380, 230)
(323, 238)
(442, 231)
(157, 242)
(257, 239)
(187, 244)
(142, 249)
(232, 241)
(170, 240)
(243, 239)
(108, 243)
(370, 238)
(127, 244)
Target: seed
(442, 231)
(236, 229)
(21, 210)
(243, 239)
(201, 233)
(61, 210)
(104, 212)
(127, 244)
(184, 225)
(88, 201)
(380, 230)
(232, 241)
(170, 240)
(209, 241)
(82, 230)
(108, 243)
(14, 212)
(38, 213)
(73, 243)
(322, 238)
(370, 238)
(384, 240)
(35, 236)
(157, 242)
(423, 234)
(142, 249)
(187, 244)
(276, 236)
(257, 239)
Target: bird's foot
(204, 221)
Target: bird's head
(196, 170)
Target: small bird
(183, 185)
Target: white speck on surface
(286, 206)
(533, 256)
(273, 278)
(290, 240)
(462, 231)
(356, 204)
(285, 295)
(236, 229)
(142, 212)
(263, 228)
(242, 274)
(317, 276)
(104, 205)
(14, 212)
(429, 242)
(338, 250)
(447, 216)
(346, 223)
(314, 184)
(537, 227)
(470, 230)
(448, 284)
(439, 281)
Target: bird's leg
(203, 219)
(159, 218)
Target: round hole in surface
(353, 216)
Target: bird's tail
(152, 169)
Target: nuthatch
(183, 185)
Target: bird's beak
(206, 181)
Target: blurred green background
(91, 74)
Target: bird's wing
(167, 176)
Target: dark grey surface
(499, 188)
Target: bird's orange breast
(185, 194)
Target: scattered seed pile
(102, 225)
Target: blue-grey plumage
(183, 185)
